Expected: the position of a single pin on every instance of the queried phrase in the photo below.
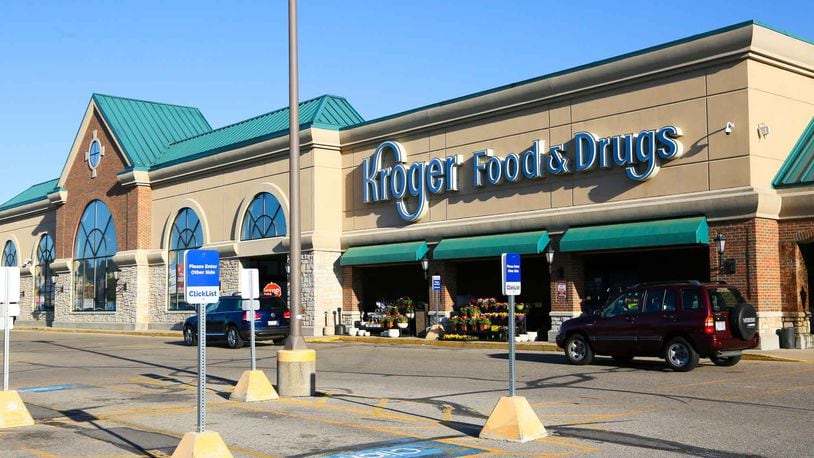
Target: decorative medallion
(94, 154)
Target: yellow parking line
(381, 405)
(447, 413)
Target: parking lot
(120, 395)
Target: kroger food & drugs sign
(640, 155)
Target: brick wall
(130, 207)
(794, 271)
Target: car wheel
(577, 350)
(680, 355)
(190, 338)
(622, 358)
(727, 361)
(233, 339)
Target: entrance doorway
(270, 269)
(606, 273)
(386, 283)
(806, 295)
(480, 278)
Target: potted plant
(463, 324)
(409, 311)
(387, 322)
(402, 321)
(519, 307)
(454, 324)
(484, 324)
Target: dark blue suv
(226, 320)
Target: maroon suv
(678, 321)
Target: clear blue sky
(229, 58)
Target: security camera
(729, 126)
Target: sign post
(512, 419)
(202, 287)
(12, 410)
(253, 384)
(436, 293)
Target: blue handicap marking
(411, 449)
(46, 389)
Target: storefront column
(28, 315)
(568, 269)
(449, 280)
(352, 290)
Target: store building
(627, 169)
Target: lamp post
(549, 256)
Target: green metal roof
(491, 245)
(683, 231)
(798, 169)
(33, 194)
(326, 112)
(144, 129)
(384, 254)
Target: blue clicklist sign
(510, 273)
(202, 276)
(436, 283)
(641, 156)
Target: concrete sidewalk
(791, 355)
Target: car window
(212, 307)
(626, 303)
(723, 299)
(229, 304)
(269, 302)
(690, 299)
(653, 299)
(669, 301)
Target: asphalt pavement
(125, 395)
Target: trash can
(787, 337)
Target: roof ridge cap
(95, 94)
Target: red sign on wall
(272, 289)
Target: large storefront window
(94, 273)
(43, 276)
(264, 218)
(186, 234)
(9, 255)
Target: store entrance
(386, 283)
(481, 279)
(270, 269)
(606, 273)
(806, 295)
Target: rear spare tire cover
(744, 321)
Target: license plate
(720, 325)
(273, 323)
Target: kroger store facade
(627, 169)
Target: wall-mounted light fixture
(729, 126)
(27, 262)
(549, 257)
(763, 130)
(425, 266)
(725, 266)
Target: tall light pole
(295, 340)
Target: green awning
(384, 254)
(491, 245)
(684, 231)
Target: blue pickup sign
(202, 276)
(510, 273)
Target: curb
(411, 341)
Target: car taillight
(246, 316)
(709, 325)
(287, 314)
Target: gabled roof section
(325, 112)
(145, 129)
(33, 194)
(798, 169)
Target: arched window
(186, 234)
(95, 246)
(264, 218)
(9, 255)
(44, 279)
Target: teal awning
(384, 254)
(491, 245)
(684, 231)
